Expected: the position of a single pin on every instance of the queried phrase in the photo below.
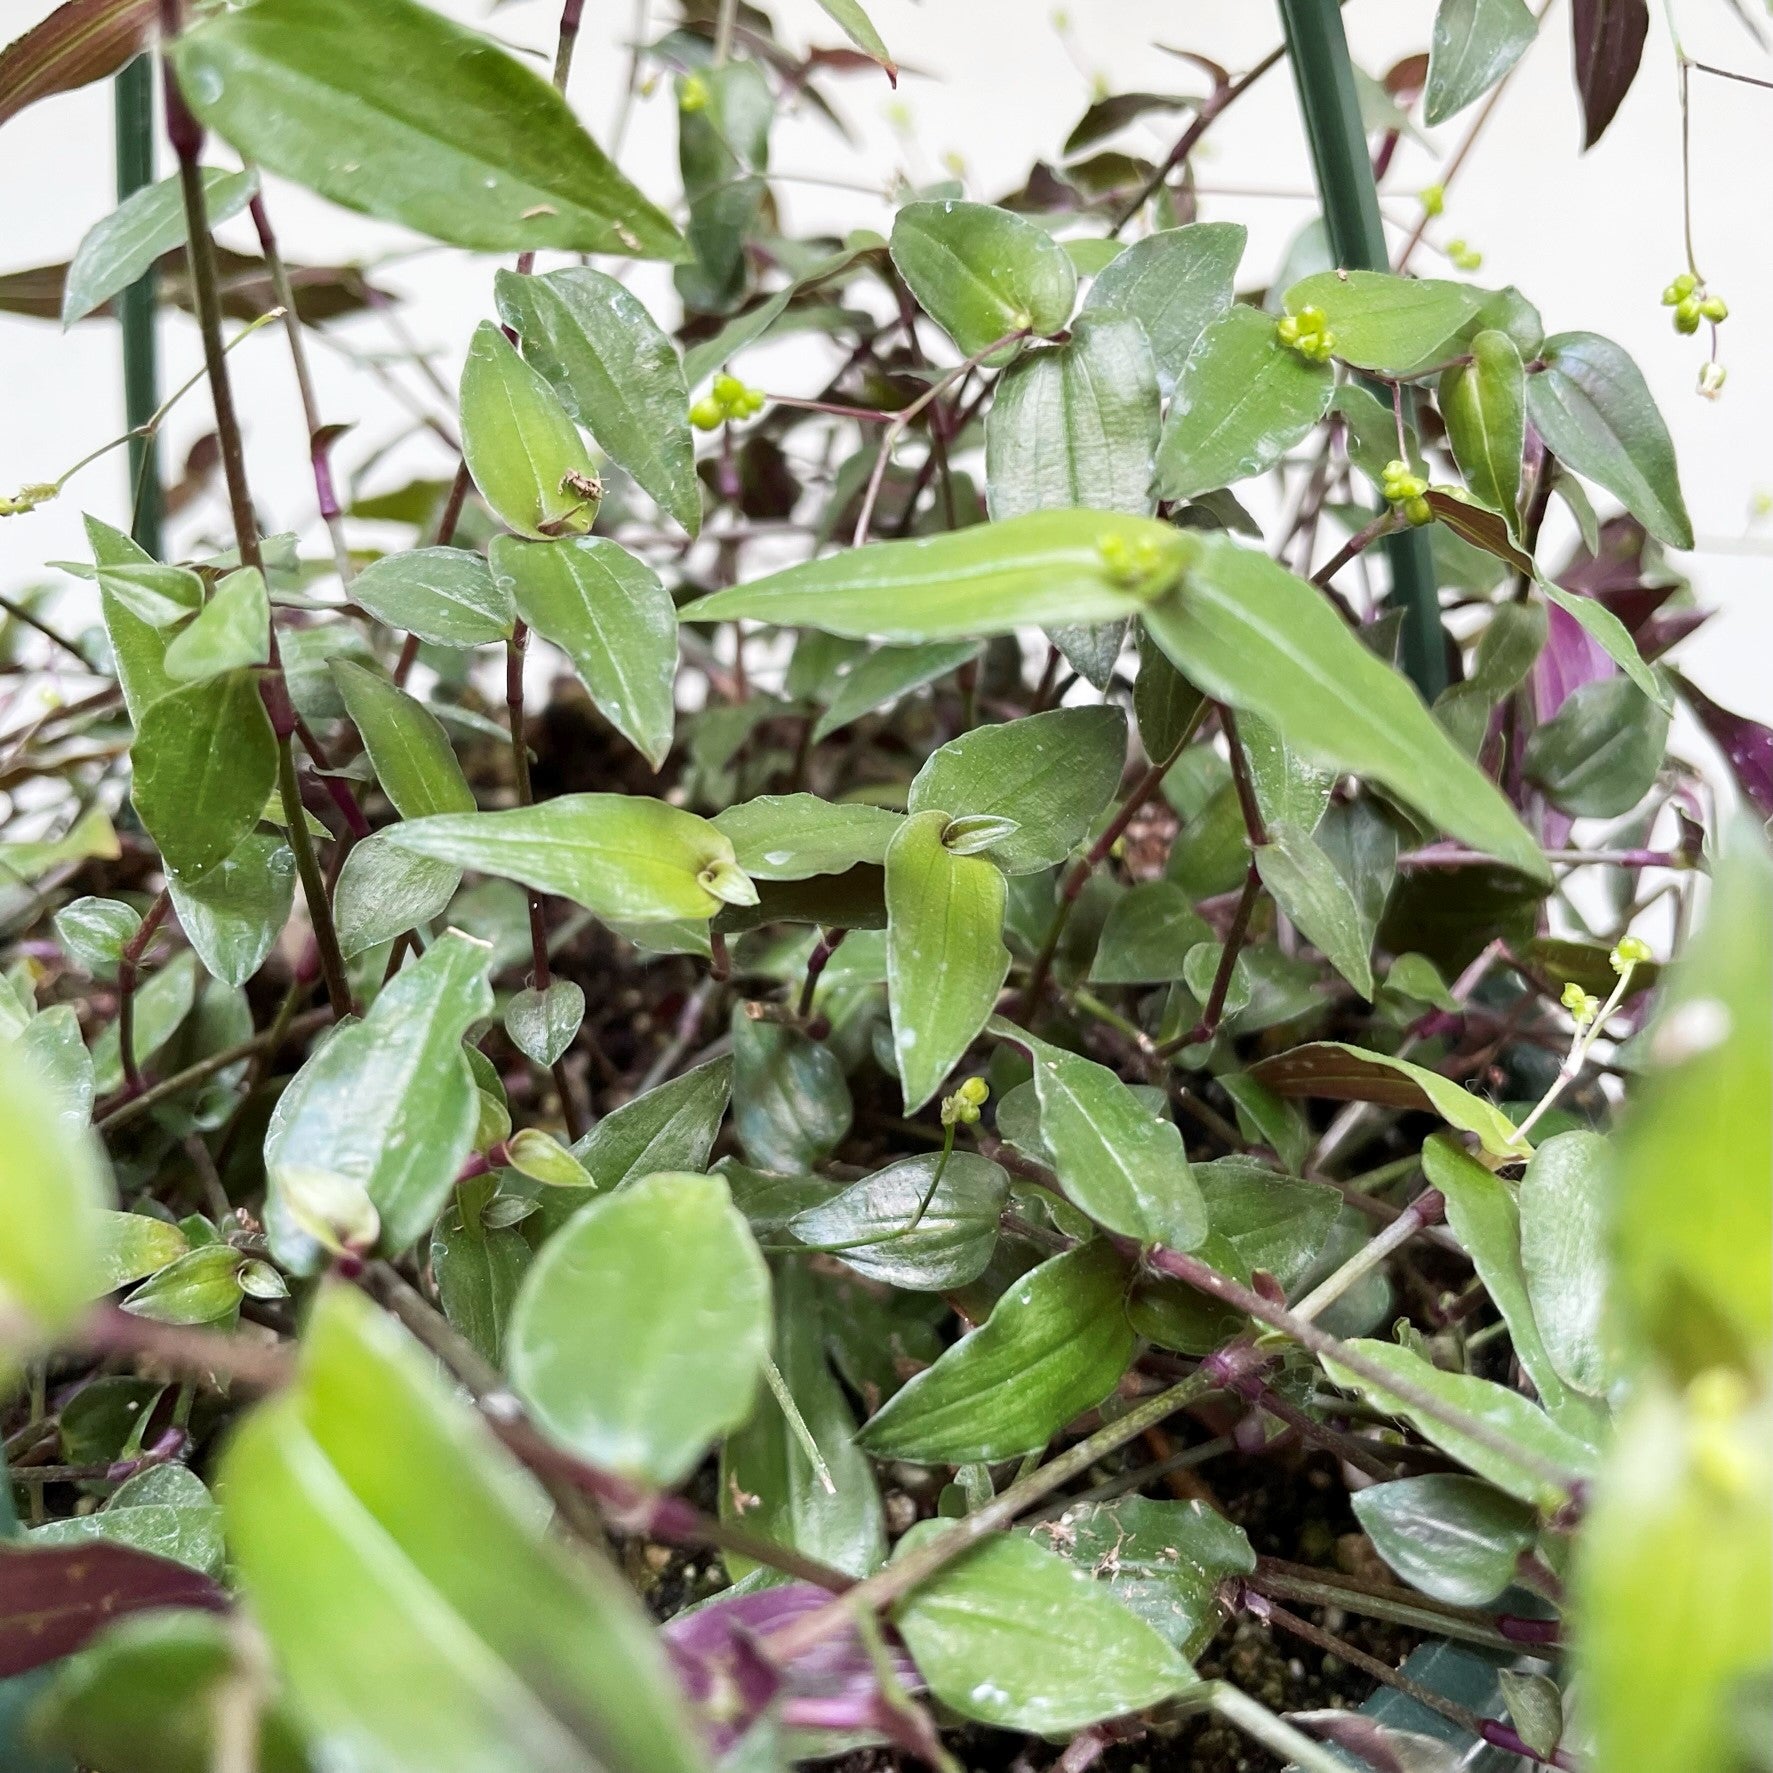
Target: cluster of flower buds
(1629, 952)
(1407, 491)
(1308, 333)
(27, 498)
(1433, 198)
(962, 1108)
(1692, 303)
(1583, 1006)
(1128, 563)
(731, 399)
(692, 93)
(1464, 255)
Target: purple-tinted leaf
(715, 1652)
(54, 1598)
(1617, 564)
(78, 43)
(1570, 658)
(1746, 744)
(1609, 43)
(1659, 633)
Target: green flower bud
(707, 413)
(1433, 199)
(1418, 510)
(1628, 952)
(1715, 308)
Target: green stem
(1275, 1734)
(903, 1575)
(134, 110)
(1324, 76)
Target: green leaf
(791, 1105)
(1511, 641)
(1613, 637)
(1598, 756)
(642, 1326)
(94, 932)
(165, 1510)
(525, 453)
(1012, 1636)
(385, 890)
(1055, 1345)
(1175, 283)
(1118, 1161)
(1308, 888)
(982, 273)
(1166, 706)
(1475, 43)
(231, 630)
(205, 761)
(200, 1287)
(52, 1189)
(408, 748)
(1289, 790)
(767, 1482)
(238, 909)
(1483, 1214)
(478, 1267)
(1454, 1537)
(1484, 404)
(386, 107)
(1149, 930)
(1596, 413)
(1249, 633)
(1075, 424)
(512, 1648)
(723, 147)
(141, 1698)
(1692, 1244)
(1163, 1561)
(1680, 1531)
(90, 835)
(671, 1127)
(1346, 1073)
(618, 855)
(617, 373)
(610, 615)
(137, 650)
(543, 1024)
(946, 959)
(447, 596)
(1243, 399)
(1505, 1412)
(1051, 773)
(1397, 325)
(859, 28)
(131, 1245)
(387, 1103)
(1048, 568)
(117, 250)
(796, 836)
(869, 1226)
(1564, 1214)
(878, 678)
(1259, 1221)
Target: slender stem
(19, 613)
(571, 12)
(1289, 1746)
(202, 1354)
(1426, 1209)
(134, 97)
(319, 440)
(541, 973)
(797, 1427)
(1451, 856)
(902, 1576)
(128, 968)
(817, 961)
(208, 1066)
(1384, 524)
(187, 140)
(1212, 107)
(1086, 865)
(1210, 1016)
(902, 419)
(723, 32)
(1208, 1280)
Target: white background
(1591, 238)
